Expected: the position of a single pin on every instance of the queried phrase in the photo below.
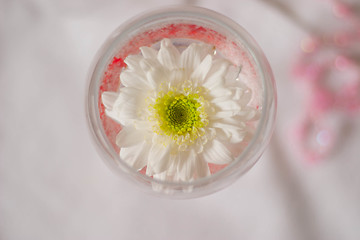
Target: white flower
(178, 111)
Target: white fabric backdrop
(53, 184)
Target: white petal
(187, 168)
(149, 170)
(192, 56)
(170, 174)
(199, 145)
(176, 77)
(249, 113)
(216, 75)
(202, 70)
(237, 115)
(232, 75)
(122, 105)
(162, 188)
(157, 75)
(142, 125)
(113, 115)
(220, 92)
(201, 167)
(134, 80)
(160, 176)
(223, 114)
(232, 129)
(215, 152)
(241, 93)
(233, 123)
(132, 62)
(172, 170)
(136, 156)
(231, 135)
(127, 93)
(182, 157)
(108, 99)
(147, 64)
(228, 105)
(128, 104)
(243, 96)
(168, 55)
(159, 157)
(129, 136)
(148, 52)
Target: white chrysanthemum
(178, 111)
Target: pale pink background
(54, 185)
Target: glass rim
(233, 169)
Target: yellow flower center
(180, 115)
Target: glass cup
(183, 25)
